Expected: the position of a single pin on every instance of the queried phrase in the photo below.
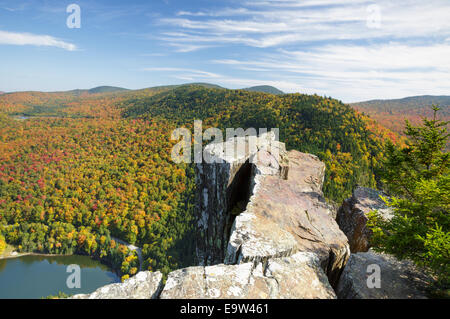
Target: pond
(40, 276)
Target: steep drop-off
(284, 244)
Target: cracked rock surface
(145, 285)
(297, 276)
(225, 176)
(288, 216)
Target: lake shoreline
(18, 255)
(13, 254)
(36, 276)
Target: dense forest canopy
(80, 168)
(350, 144)
(69, 185)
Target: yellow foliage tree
(2, 245)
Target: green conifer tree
(418, 177)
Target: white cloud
(324, 46)
(15, 38)
(303, 3)
(356, 72)
(277, 23)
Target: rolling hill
(106, 89)
(393, 113)
(264, 89)
(408, 103)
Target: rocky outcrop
(145, 285)
(225, 182)
(297, 276)
(265, 228)
(288, 216)
(352, 216)
(397, 280)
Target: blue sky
(349, 49)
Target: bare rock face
(288, 216)
(352, 217)
(145, 285)
(398, 279)
(225, 182)
(297, 276)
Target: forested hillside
(393, 113)
(313, 124)
(68, 185)
(78, 168)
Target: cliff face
(265, 228)
(226, 186)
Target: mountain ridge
(113, 89)
(415, 97)
(264, 89)
(393, 113)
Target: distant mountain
(265, 89)
(393, 113)
(96, 90)
(175, 86)
(2, 92)
(205, 85)
(106, 89)
(415, 103)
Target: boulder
(398, 279)
(297, 276)
(144, 285)
(352, 216)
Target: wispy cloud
(356, 71)
(324, 46)
(190, 73)
(186, 47)
(15, 7)
(15, 38)
(277, 23)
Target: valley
(84, 171)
